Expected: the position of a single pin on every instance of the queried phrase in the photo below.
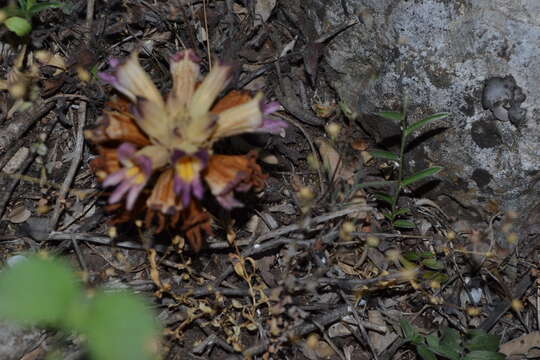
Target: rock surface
(17, 341)
(476, 59)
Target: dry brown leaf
(263, 10)
(528, 345)
(380, 342)
(330, 157)
(347, 269)
(360, 145)
(19, 214)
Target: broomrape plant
(157, 153)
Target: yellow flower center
(188, 168)
(136, 174)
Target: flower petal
(114, 178)
(246, 117)
(131, 80)
(228, 201)
(207, 92)
(119, 192)
(227, 173)
(152, 157)
(154, 120)
(115, 126)
(184, 71)
(133, 194)
(163, 197)
(272, 125)
(187, 178)
(231, 99)
(126, 151)
(106, 163)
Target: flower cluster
(157, 153)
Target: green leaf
(391, 115)
(23, 4)
(422, 122)
(435, 276)
(450, 337)
(383, 183)
(381, 154)
(432, 341)
(484, 355)
(447, 352)
(409, 332)
(407, 264)
(411, 256)
(38, 291)
(401, 211)
(18, 25)
(120, 326)
(421, 175)
(43, 6)
(384, 197)
(29, 4)
(432, 264)
(404, 224)
(425, 353)
(427, 254)
(482, 341)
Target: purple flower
(132, 178)
(270, 124)
(187, 179)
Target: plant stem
(400, 169)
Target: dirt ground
(310, 267)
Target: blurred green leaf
(404, 224)
(484, 355)
(381, 154)
(18, 25)
(401, 211)
(421, 175)
(382, 183)
(120, 326)
(411, 255)
(409, 265)
(432, 340)
(43, 6)
(482, 341)
(38, 291)
(450, 337)
(432, 264)
(425, 353)
(391, 115)
(422, 122)
(384, 197)
(409, 332)
(435, 276)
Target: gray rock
(16, 341)
(477, 59)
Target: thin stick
(207, 36)
(79, 144)
(78, 151)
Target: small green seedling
(396, 215)
(433, 268)
(46, 292)
(448, 344)
(19, 19)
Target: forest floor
(311, 267)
